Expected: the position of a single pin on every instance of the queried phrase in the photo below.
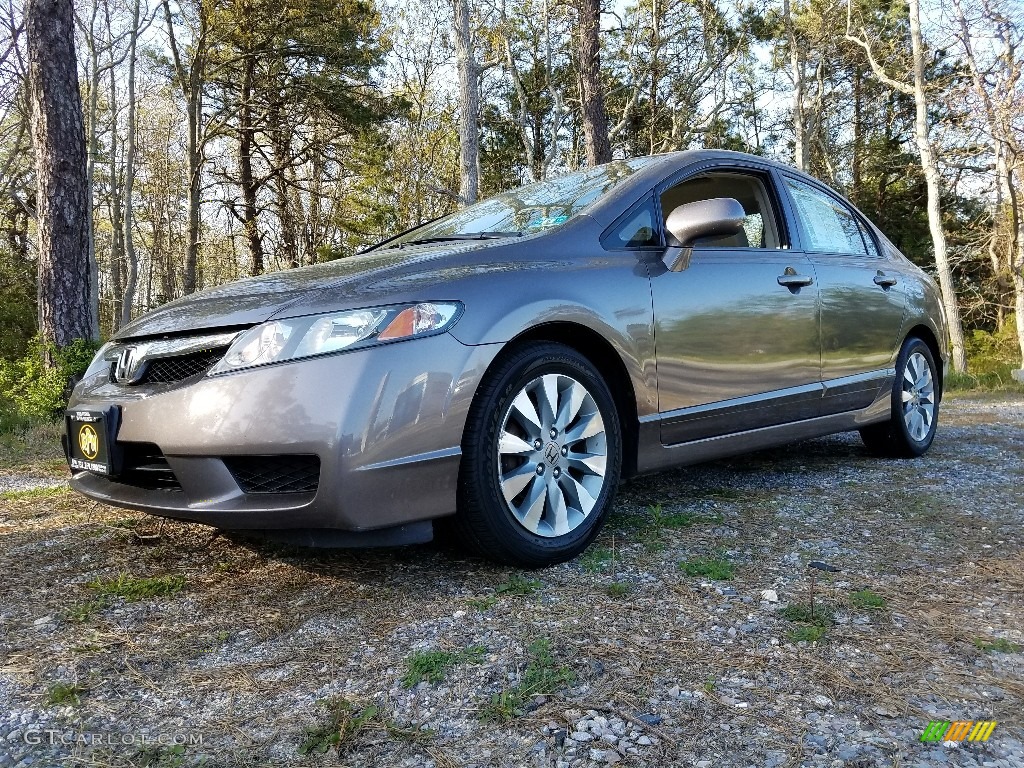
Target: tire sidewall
(539, 361)
(899, 424)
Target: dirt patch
(124, 641)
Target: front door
(737, 339)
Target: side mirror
(717, 217)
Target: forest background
(226, 138)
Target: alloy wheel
(918, 396)
(552, 455)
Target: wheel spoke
(556, 504)
(909, 373)
(578, 494)
(589, 425)
(532, 508)
(588, 463)
(907, 396)
(569, 405)
(527, 415)
(548, 398)
(509, 444)
(512, 483)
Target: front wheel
(915, 406)
(540, 458)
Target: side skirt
(654, 456)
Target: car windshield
(542, 205)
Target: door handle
(884, 280)
(790, 279)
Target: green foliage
(64, 693)
(715, 568)
(432, 666)
(483, 603)
(132, 588)
(17, 305)
(542, 676)
(36, 493)
(343, 722)
(518, 585)
(809, 633)
(999, 645)
(812, 625)
(38, 391)
(596, 559)
(867, 600)
(618, 589)
(990, 358)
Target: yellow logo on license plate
(88, 441)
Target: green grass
(810, 633)
(36, 493)
(63, 693)
(866, 600)
(714, 568)
(596, 559)
(618, 589)
(25, 441)
(811, 627)
(482, 603)
(433, 666)
(343, 722)
(999, 645)
(998, 379)
(518, 585)
(542, 676)
(132, 588)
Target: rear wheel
(540, 458)
(915, 406)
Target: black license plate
(90, 434)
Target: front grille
(170, 370)
(144, 466)
(287, 473)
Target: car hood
(356, 281)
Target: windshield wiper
(461, 236)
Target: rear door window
(825, 224)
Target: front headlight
(298, 337)
(101, 362)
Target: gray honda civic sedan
(499, 370)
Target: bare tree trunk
(280, 135)
(114, 204)
(469, 101)
(247, 181)
(90, 171)
(928, 166)
(595, 120)
(129, 178)
(932, 181)
(190, 81)
(65, 297)
(796, 65)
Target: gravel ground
(124, 641)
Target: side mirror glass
(717, 217)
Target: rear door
(861, 291)
(736, 320)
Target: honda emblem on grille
(126, 365)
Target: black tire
(895, 437)
(485, 521)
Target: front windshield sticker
(552, 221)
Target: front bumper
(386, 423)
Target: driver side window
(759, 227)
